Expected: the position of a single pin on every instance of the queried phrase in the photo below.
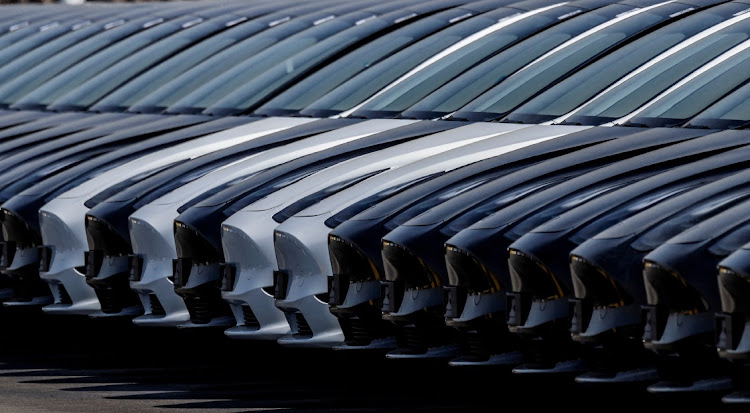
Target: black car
(418, 243)
(27, 167)
(682, 299)
(354, 242)
(554, 230)
(607, 265)
(538, 301)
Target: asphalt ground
(52, 363)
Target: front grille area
(475, 346)
(303, 328)
(424, 331)
(109, 300)
(363, 324)
(466, 271)
(114, 293)
(200, 310)
(592, 284)
(249, 318)
(412, 338)
(204, 309)
(26, 284)
(63, 295)
(155, 304)
(357, 332)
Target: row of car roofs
(560, 187)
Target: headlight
(466, 271)
(667, 289)
(529, 276)
(591, 283)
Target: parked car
(310, 86)
(682, 300)
(538, 299)
(606, 265)
(354, 244)
(731, 323)
(156, 186)
(550, 233)
(300, 238)
(203, 214)
(27, 167)
(219, 168)
(234, 184)
(63, 200)
(513, 223)
(418, 242)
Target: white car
(62, 218)
(252, 228)
(151, 227)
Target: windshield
(445, 67)
(732, 111)
(18, 65)
(698, 92)
(643, 85)
(136, 89)
(312, 87)
(250, 95)
(207, 71)
(25, 82)
(89, 92)
(365, 85)
(91, 66)
(509, 93)
(239, 75)
(584, 84)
